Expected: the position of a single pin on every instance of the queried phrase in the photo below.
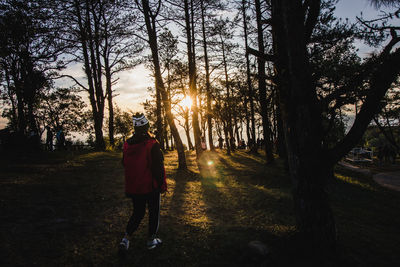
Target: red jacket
(140, 167)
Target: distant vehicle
(360, 154)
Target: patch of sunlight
(234, 164)
(170, 184)
(212, 181)
(194, 208)
(350, 180)
(91, 155)
(166, 198)
(275, 193)
(233, 183)
(281, 229)
(219, 184)
(260, 159)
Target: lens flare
(210, 162)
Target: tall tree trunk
(247, 119)
(248, 131)
(20, 108)
(281, 147)
(172, 143)
(109, 99)
(95, 90)
(165, 131)
(31, 118)
(187, 130)
(262, 86)
(252, 145)
(228, 99)
(227, 141)
(192, 76)
(14, 116)
(208, 84)
(308, 164)
(94, 49)
(110, 112)
(152, 34)
(235, 122)
(159, 127)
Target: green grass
(69, 209)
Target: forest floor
(69, 209)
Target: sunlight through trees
(284, 77)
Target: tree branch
(314, 8)
(75, 80)
(256, 53)
(386, 72)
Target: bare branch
(75, 80)
(256, 53)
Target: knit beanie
(139, 120)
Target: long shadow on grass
(367, 218)
(247, 157)
(240, 212)
(255, 172)
(186, 243)
(53, 218)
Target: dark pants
(152, 200)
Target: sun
(186, 102)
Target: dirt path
(389, 180)
(354, 168)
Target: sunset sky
(132, 85)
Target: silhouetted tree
(310, 161)
(29, 53)
(150, 17)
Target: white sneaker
(124, 245)
(153, 243)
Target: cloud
(131, 88)
(137, 78)
(3, 122)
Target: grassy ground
(68, 209)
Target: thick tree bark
(152, 34)
(262, 86)
(308, 164)
(311, 164)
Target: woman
(144, 180)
